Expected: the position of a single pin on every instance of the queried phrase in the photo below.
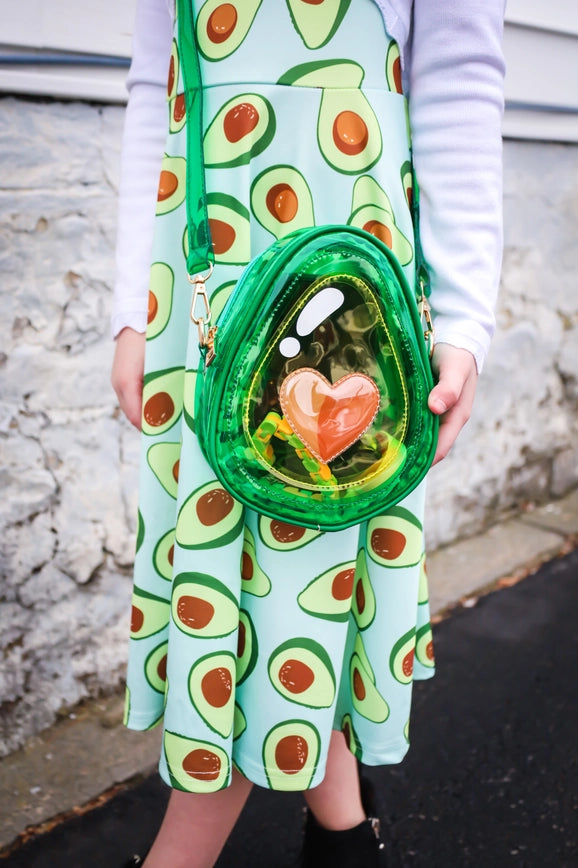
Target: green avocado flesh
(301, 671)
(423, 589)
(162, 400)
(219, 299)
(242, 128)
(317, 22)
(371, 210)
(156, 667)
(348, 131)
(253, 579)
(380, 223)
(189, 387)
(324, 74)
(174, 69)
(203, 606)
(163, 459)
(281, 200)
(359, 650)
(363, 602)
(366, 191)
(194, 765)
(149, 614)
(172, 184)
(160, 299)
(351, 737)
(281, 536)
(402, 656)
(393, 68)
(406, 174)
(247, 647)
(209, 517)
(395, 539)
(239, 722)
(290, 755)
(222, 27)
(329, 595)
(211, 689)
(229, 228)
(163, 555)
(178, 113)
(367, 701)
(424, 646)
(140, 530)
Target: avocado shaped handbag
(311, 405)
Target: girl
(218, 590)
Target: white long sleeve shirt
(453, 71)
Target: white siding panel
(542, 68)
(65, 82)
(560, 15)
(102, 27)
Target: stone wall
(68, 460)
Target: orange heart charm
(328, 417)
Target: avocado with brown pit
(242, 128)
(290, 755)
(395, 539)
(149, 614)
(222, 27)
(203, 607)
(329, 594)
(210, 516)
(211, 689)
(282, 536)
(156, 667)
(301, 671)
(160, 299)
(164, 461)
(281, 200)
(363, 604)
(162, 400)
(172, 184)
(194, 765)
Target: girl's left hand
(453, 396)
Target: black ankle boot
(358, 847)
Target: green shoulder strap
(200, 255)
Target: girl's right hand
(128, 372)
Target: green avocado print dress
(252, 639)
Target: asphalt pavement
(491, 778)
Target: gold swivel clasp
(201, 313)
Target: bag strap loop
(200, 254)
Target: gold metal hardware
(203, 318)
(426, 318)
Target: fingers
(130, 400)
(127, 373)
(453, 420)
(453, 396)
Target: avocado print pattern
(281, 200)
(242, 128)
(251, 638)
(317, 22)
(222, 27)
(348, 131)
